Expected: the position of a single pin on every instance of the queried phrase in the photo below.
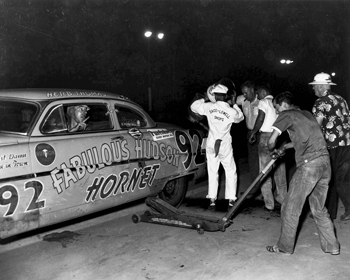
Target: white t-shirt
(250, 110)
(266, 106)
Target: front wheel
(174, 191)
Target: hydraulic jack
(165, 214)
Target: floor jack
(165, 214)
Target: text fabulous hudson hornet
(69, 153)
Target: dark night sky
(99, 44)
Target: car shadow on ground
(60, 226)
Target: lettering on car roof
(56, 94)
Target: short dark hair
(229, 84)
(265, 87)
(248, 84)
(286, 97)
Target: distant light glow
(286, 61)
(148, 33)
(333, 74)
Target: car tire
(174, 191)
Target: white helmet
(225, 86)
(210, 93)
(216, 88)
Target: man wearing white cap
(332, 114)
(220, 117)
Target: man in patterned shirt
(332, 114)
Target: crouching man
(310, 179)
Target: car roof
(49, 94)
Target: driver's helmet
(226, 82)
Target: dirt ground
(117, 248)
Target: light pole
(160, 36)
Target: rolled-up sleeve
(238, 116)
(283, 122)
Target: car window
(99, 117)
(129, 117)
(55, 121)
(77, 118)
(16, 116)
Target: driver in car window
(77, 116)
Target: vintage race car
(50, 172)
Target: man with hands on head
(220, 117)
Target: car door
(143, 170)
(155, 153)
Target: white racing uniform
(220, 118)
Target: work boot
(212, 205)
(230, 204)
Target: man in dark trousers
(266, 117)
(311, 177)
(250, 103)
(332, 114)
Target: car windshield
(16, 116)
